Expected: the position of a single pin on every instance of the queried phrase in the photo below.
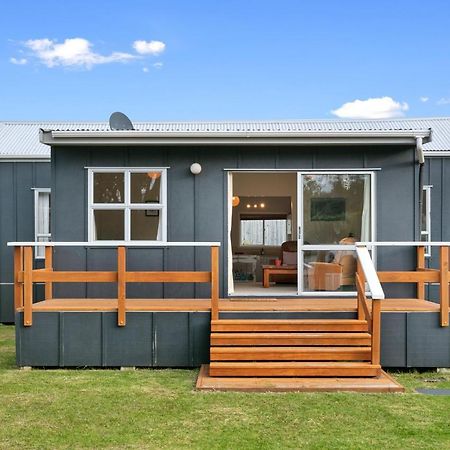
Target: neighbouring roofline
(137, 137)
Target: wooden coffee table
(276, 270)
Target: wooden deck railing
(422, 275)
(366, 273)
(25, 275)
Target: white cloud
(424, 99)
(18, 61)
(72, 52)
(158, 65)
(372, 108)
(149, 47)
(443, 101)
(145, 69)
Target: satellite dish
(119, 121)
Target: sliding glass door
(335, 210)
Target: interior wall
(279, 184)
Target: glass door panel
(335, 212)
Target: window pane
(336, 207)
(109, 225)
(108, 187)
(145, 224)
(423, 220)
(274, 232)
(252, 232)
(43, 213)
(329, 270)
(39, 252)
(146, 187)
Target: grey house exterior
(24, 167)
(197, 208)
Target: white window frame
(39, 252)
(127, 206)
(426, 233)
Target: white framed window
(42, 208)
(425, 220)
(263, 231)
(127, 204)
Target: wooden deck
(383, 383)
(233, 305)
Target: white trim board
(114, 244)
(251, 170)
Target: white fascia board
(436, 153)
(24, 158)
(232, 138)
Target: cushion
(290, 258)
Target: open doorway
(263, 239)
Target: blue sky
(224, 60)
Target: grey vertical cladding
(93, 339)
(180, 219)
(7, 220)
(130, 345)
(181, 339)
(445, 201)
(25, 201)
(171, 339)
(197, 204)
(81, 343)
(393, 340)
(39, 345)
(17, 180)
(428, 342)
(69, 207)
(438, 175)
(101, 259)
(70, 259)
(142, 259)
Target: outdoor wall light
(195, 168)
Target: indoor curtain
(230, 249)
(365, 217)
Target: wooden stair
(291, 348)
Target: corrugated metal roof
(21, 139)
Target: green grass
(160, 409)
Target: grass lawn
(160, 409)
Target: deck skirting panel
(182, 338)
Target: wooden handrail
(422, 276)
(25, 276)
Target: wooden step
(293, 369)
(381, 383)
(290, 353)
(288, 325)
(277, 339)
